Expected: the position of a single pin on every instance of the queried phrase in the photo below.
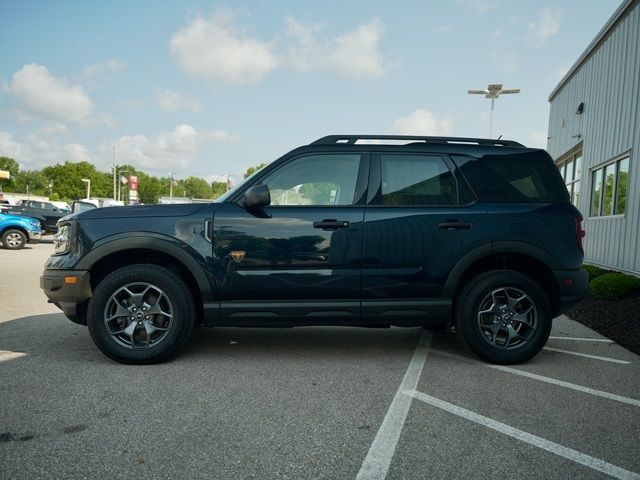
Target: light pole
(171, 182)
(493, 91)
(88, 182)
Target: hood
(176, 210)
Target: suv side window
(315, 180)
(416, 180)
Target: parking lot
(306, 402)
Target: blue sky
(210, 88)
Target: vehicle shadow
(55, 337)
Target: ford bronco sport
(347, 230)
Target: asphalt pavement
(305, 403)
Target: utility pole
(493, 91)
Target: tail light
(580, 233)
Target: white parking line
(542, 378)
(376, 464)
(581, 339)
(552, 447)
(6, 355)
(587, 355)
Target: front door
(297, 260)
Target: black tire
(14, 239)
(166, 294)
(477, 324)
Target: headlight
(62, 239)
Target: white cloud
(212, 49)
(479, 6)
(37, 92)
(33, 151)
(422, 122)
(537, 140)
(545, 27)
(171, 101)
(169, 151)
(100, 68)
(355, 53)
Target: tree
(195, 187)
(67, 180)
(11, 166)
(218, 188)
(251, 170)
(32, 180)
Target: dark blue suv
(348, 230)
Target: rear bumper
(573, 287)
(71, 298)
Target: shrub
(593, 271)
(614, 286)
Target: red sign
(133, 182)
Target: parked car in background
(46, 213)
(16, 231)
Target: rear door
(299, 259)
(420, 221)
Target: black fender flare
(182, 252)
(488, 249)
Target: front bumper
(34, 237)
(573, 285)
(71, 298)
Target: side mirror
(257, 196)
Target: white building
(594, 136)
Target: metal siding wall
(609, 85)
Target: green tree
(32, 180)
(251, 170)
(195, 187)
(218, 188)
(67, 180)
(10, 165)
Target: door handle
(330, 224)
(453, 225)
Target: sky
(209, 88)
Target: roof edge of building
(625, 7)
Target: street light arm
(509, 90)
(478, 92)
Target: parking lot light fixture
(493, 91)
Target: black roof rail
(352, 139)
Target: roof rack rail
(353, 139)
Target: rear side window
(416, 180)
(529, 177)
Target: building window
(570, 169)
(609, 188)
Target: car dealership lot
(305, 403)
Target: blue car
(16, 231)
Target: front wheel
(14, 239)
(503, 316)
(141, 314)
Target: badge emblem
(238, 255)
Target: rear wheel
(503, 316)
(14, 239)
(141, 314)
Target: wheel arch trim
(160, 243)
(486, 250)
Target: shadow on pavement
(54, 337)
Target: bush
(593, 271)
(614, 286)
